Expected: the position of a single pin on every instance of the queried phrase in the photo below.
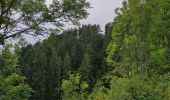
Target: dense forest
(130, 60)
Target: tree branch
(9, 7)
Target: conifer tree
(67, 64)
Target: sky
(101, 13)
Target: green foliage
(67, 65)
(46, 64)
(8, 60)
(133, 88)
(33, 15)
(73, 89)
(86, 67)
(12, 85)
(14, 88)
(99, 93)
(138, 45)
(136, 89)
(139, 51)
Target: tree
(73, 89)
(12, 85)
(55, 77)
(86, 67)
(108, 34)
(46, 64)
(67, 64)
(8, 60)
(138, 51)
(19, 17)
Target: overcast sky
(102, 11)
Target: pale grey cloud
(102, 11)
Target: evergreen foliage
(46, 64)
(131, 61)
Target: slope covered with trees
(138, 54)
(46, 64)
(131, 61)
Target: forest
(129, 60)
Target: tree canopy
(35, 17)
(131, 61)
